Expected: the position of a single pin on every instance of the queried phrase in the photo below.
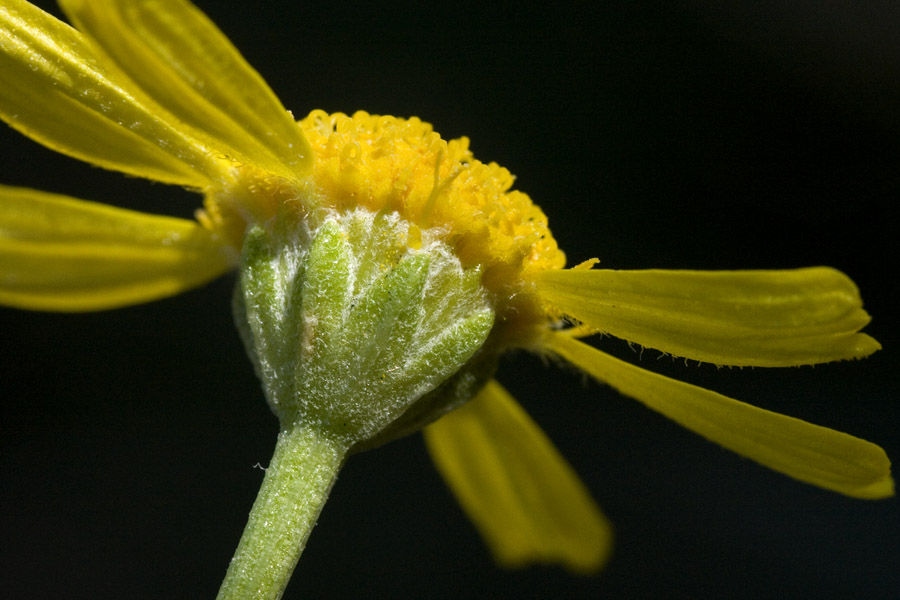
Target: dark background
(675, 135)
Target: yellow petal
(817, 455)
(59, 92)
(525, 499)
(743, 318)
(181, 60)
(59, 253)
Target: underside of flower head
(153, 89)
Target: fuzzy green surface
(357, 339)
(297, 482)
(349, 329)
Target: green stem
(303, 469)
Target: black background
(674, 135)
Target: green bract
(348, 327)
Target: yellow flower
(154, 90)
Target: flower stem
(303, 469)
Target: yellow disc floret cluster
(384, 163)
(392, 165)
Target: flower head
(451, 266)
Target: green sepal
(355, 334)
